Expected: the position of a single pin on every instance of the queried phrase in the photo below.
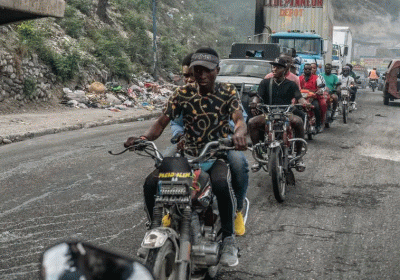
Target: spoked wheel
(279, 182)
(162, 261)
(345, 112)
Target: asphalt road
(341, 221)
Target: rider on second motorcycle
(281, 91)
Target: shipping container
(301, 16)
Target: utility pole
(155, 39)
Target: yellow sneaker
(166, 221)
(240, 229)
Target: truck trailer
(343, 46)
(305, 25)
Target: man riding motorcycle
(238, 163)
(281, 91)
(206, 111)
(311, 82)
(349, 82)
(331, 81)
(373, 76)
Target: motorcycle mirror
(358, 83)
(78, 260)
(321, 85)
(357, 77)
(339, 83)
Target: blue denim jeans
(240, 175)
(239, 167)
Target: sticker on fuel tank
(174, 174)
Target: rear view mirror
(358, 83)
(321, 85)
(357, 77)
(77, 260)
(346, 51)
(339, 83)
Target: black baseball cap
(204, 59)
(279, 61)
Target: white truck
(342, 47)
(305, 25)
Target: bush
(72, 23)
(111, 51)
(85, 6)
(29, 87)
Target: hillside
(112, 39)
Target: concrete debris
(147, 94)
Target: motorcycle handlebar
(151, 149)
(267, 108)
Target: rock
(78, 95)
(73, 103)
(83, 106)
(7, 141)
(67, 90)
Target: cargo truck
(305, 25)
(342, 47)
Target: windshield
(245, 68)
(307, 46)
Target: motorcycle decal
(173, 175)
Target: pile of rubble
(112, 96)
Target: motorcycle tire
(373, 89)
(345, 112)
(161, 261)
(278, 175)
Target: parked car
(392, 82)
(245, 74)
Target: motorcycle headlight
(154, 239)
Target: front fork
(185, 248)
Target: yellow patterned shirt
(205, 117)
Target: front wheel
(162, 261)
(278, 175)
(344, 111)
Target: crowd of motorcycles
(188, 247)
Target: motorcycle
(80, 260)
(309, 119)
(373, 84)
(277, 153)
(345, 102)
(184, 239)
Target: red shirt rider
(312, 85)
